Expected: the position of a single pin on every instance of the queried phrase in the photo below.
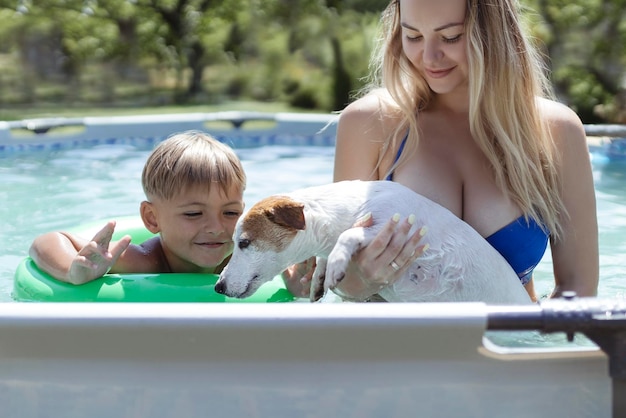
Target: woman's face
(434, 41)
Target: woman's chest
(452, 171)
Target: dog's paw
(336, 269)
(318, 280)
(317, 288)
(349, 242)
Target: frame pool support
(602, 321)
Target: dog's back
(282, 230)
(460, 265)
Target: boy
(194, 188)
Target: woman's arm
(360, 140)
(575, 255)
(75, 260)
(361, 135)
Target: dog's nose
(220, 287)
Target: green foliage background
(309, 54)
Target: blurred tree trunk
(182, 18)
(342, 81)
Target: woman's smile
(438, 73)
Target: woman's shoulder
(563, 122)
(375, 112)
(558, 114)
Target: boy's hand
(97, 257)
(297, 278)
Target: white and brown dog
(282, 230)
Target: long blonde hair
(507, 76)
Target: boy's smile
(196, 227)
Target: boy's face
(197, 225)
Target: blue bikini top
(522, 243)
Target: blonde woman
(459, 111)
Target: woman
(459, 112)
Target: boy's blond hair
(191, 158)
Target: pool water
(51, 190)
(45, 191)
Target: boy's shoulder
(147, 257)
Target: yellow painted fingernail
(396, 217)
(411, 219)
(423, 231)
(426, 247)
(365, 217)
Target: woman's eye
(452, 40)
(413, 38)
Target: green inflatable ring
(31, 284)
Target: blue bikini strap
(398, 154)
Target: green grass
(51, 110)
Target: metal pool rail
(607, 140)
(602, 321)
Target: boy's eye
(232, 213)
(244, 243)
(192, 214)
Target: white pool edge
(282, 360)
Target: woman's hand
(97, 257)
(379, 264)
(384, 260)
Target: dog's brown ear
(287, 213)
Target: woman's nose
(432, 52)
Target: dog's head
(263, 237)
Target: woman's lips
(438, 73)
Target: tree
(586, 42)
(181, 28)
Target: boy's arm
(75, 260)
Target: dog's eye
(244, 243)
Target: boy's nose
(213, 227)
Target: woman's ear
(148, 216)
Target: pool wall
(271, 360)
(242, 128)
(283, 360)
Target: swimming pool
(261, 360)
(56, 182)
